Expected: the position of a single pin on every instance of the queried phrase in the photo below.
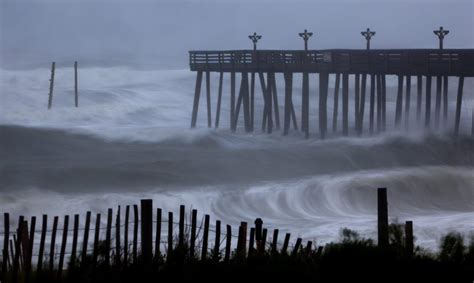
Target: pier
(368, 68)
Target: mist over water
(130, 139)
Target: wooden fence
(140, 239)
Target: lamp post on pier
(255, 38)
(441, 33)
(368, 35)
(305, 35)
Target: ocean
(130, 139)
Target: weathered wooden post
(372, 103)
(336, 102)
(208, 99)
(44, 227)
(362, 104)
(158, 233)
(53, 243)
(275, 101)
(269, 103)
(228, 242)
(419, 96)
(6, 237)
(275, 241)
(117, 237)
(63, 246)
(85, 239)
(438, 100)
(379, 103)
(384, 103)
(398, 111)
(108, 237)
(17, 241)
(382, 217)
(258, 233)
(95, 252)
(72, 259)
(251, 241)
(445, 99)
(288, 101)
(428, 102)
(51, 86)
(76, 95)
(458, 106)
(193, 233)
(305, 105)
(219, 99)
(170, 234)
(296, 248)
(181, 226)
(147, 230)
(305, 35)
(197, 94)
(368, 35)
(356, 101)
(232, 100)
(409, 244)
(323, 93)
(205, 237)
(135, 233)
(407, 101)
(441, 33)
(125, 235)
(285, 243)
(345, 104)
(217, 241)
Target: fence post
(6, 236)
(205, 237)
(170, 234)
(275, 241)
(217, 241)
(297, 247)
(51, 86)
(85, 240)
(117, 237)
(74, 241)
(125, 235)
(286, 243)
(228, 243)
(158, 233)
(193, 233)
(53, 243)
(382, 217)
(181, 226)
(309, 248)
(16, 260)
(147, 230)
(96, 240)
(29, 252)
(264, 240)
(63, 246)
(44, 227)
(108, 236)
(409, 243)
(258, 233)
(251, 241)
(135, 232)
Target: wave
(60, 160)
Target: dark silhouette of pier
(369, 68)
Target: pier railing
(453, 62)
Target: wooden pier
(364, 65)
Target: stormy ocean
(130, 139)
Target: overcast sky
(159, 33)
